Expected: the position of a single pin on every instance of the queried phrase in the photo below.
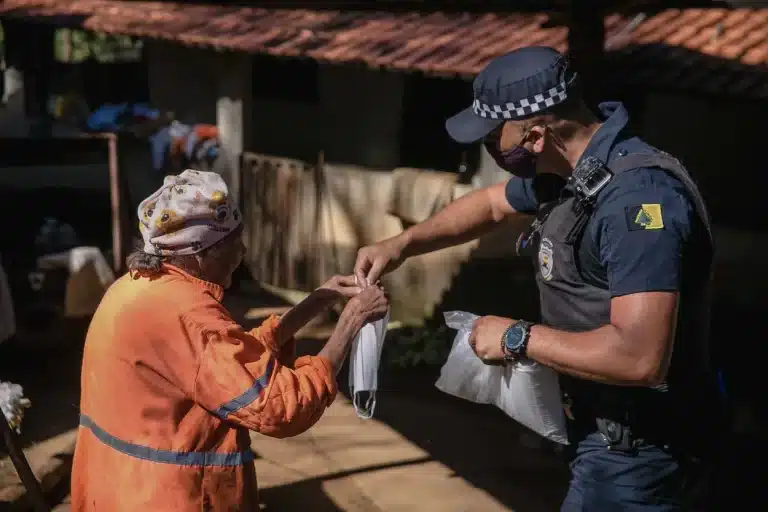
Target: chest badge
(546, 259)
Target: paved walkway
(348, 464)
(345, 463)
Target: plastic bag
(364, 366)
(463, 374)
(528, 392)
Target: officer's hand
(375, 260)
(485, 339)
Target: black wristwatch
(514, 341)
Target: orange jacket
(170, 387)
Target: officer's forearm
(461, 221)
(601, 355)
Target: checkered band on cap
(524, 107)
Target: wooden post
(233, 116)
(319, 260)
(120, 235)
(27, 477)
(586, 44)
(37, 78)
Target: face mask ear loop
(365, 412)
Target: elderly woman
(171, 385)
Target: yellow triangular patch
(649, 216)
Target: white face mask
(364, 366)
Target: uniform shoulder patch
(644, 216)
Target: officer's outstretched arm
(463, 220)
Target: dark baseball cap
(518, 85)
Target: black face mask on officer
(517, 160)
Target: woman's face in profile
(223, 261)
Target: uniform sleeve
(520, 195)
(242, 379)
(642, 227)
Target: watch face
(513, 338)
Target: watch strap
(526, 327)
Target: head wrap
(189, 213)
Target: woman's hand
(369, 305)
(317, 302)
(343, 286)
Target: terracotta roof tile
(703, 49)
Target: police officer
(623, 255)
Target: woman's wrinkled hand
(344, 286)
(369, 305)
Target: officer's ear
(538, 135)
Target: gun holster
(617, 436)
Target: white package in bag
(528, 392)
(463, 374)
(364, 366)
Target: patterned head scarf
(189, 213)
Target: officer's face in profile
(544, 148)
(516, 148)
(516, 134)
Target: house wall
(181, 80)
(205, 86)
(355, 119)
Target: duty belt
(619, 421)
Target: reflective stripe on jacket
(170, 387)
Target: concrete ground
(348, 464)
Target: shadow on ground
(478, 443)
(299, 495)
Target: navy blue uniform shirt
(614, 253)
